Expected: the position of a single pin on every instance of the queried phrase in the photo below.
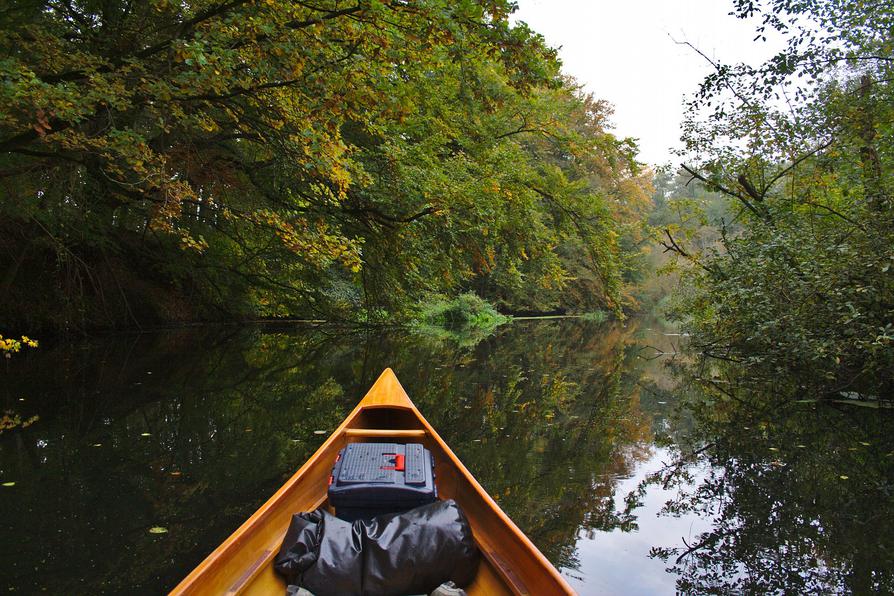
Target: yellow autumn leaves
(315, 241)
(9, 346)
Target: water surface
(560, 420)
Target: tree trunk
(13, 270)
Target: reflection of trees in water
(560, 420)
(546, 415)
(220, 426)
(800, 498)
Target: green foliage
(812, 303)
(466, 310)
(170, 160)
(597, 316)
(803, 288)
(682, 208)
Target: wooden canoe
(243, 564)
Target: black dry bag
(404, 553)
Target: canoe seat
(385, 433)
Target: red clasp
(398, 462)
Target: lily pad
(158, 530)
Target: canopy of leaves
(171, 160)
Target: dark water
(560, 420)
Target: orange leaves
(167, 207)
(42, 126)
(11, 420)
(484, 262)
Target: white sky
(622, 51)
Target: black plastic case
(372, 479)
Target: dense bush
(814, 302)
(466, 310)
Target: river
(150, 449)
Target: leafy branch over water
(171, 161)
(799, 284)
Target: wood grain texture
(511, 564)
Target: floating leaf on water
(774, 448)
(843, 477)
(319, 432)
(146, 435)
(9, 484)
(97, 444)
(158, 530)
(248, 430)
(175, 473)
(864, 443)
(801, 446)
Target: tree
(166, 160)
(802, 147)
